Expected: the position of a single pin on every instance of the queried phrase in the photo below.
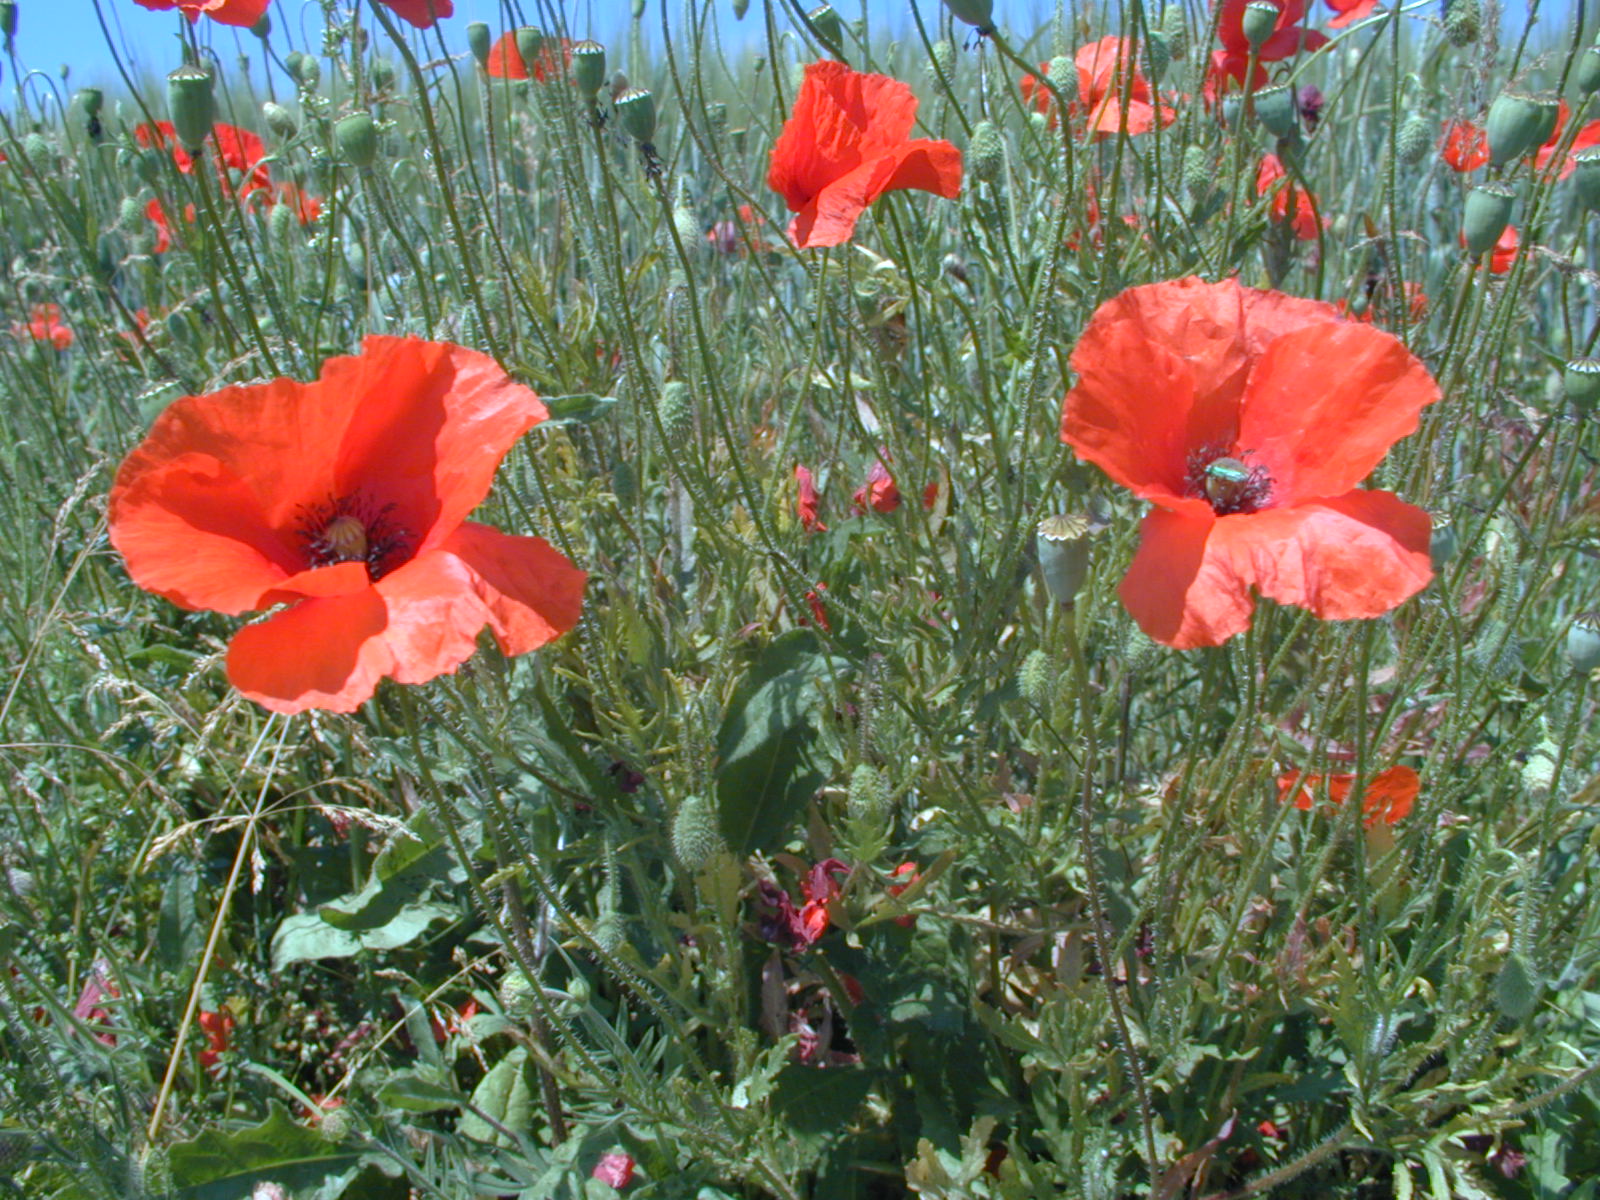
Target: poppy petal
(434, 615)
(422, 13)
(533, 594)
(192, 530)
(1176, 593)
(1359, 388)
(926, 165)
(432, 423)
(324, 653)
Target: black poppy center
(1227, 482)
(351, 529)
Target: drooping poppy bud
(1063, 542)
(868, 796)
(1583, 643)
(1259, 22)
(636, 112)
(589, 67)
(1587, 74)
(1580, 379)
(828, 27)
(193, 106)
(381, 74)
(479, 41)
(1516, 124)
(977, 13)
(676, 407)
(1463, 21)
(356, 138)
(306, 70)
(1485, 216)
(262, 28)
(529, 42)
(1039, 678)
(1277, 111)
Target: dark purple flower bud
(1309, 100)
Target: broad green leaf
(579, 408)
(306, 937)
(504, 1096)
(765, 773)
(416, 1092)
(399, 877)
(228, 1165)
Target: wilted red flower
(217, 1026)
(44, 325)
(232, 149)
(422, 13)
(1290, 201)
(1388, 798)
(506, 62)
(614, 1169)
(808, 503)
(879, 492)
(243, 13)
(846, 143)
(158, 218)
(345, 498)
(1348, 12)
(1248, 418)
(1464, 146)
(1100, 68)
(733, 237)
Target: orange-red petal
(530, 591)
(1389, 796)
(422, 13)
(1323, 405)
(327, 653)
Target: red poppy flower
(243, 13)
(422, 13)
(1248, 418)
(232, 149)
(217, 1026)
(818, 613)
(847, 143)
(1464, 146)
(1505, 250)
(1388, 798)
(506, 62)
(346, 499)
(808, 503)
(615, 1169)
(1290, 201)
(879, 492)
(1589, 135)
(1349, 11)
(1100, 80)
(1289, 37)
(158, 218)
(907, 875)
(44, 325)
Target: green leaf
(178, 933)
(416, 1092)
(306, 937)
(503, 1096)
(401, 873)
(579, 408)
(817, 1104)
(228, 1165)
(765, 773)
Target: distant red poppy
(1505, 250)
(422, 13)
(232, 149)
(1228, 65)
(808, 504)
(848, 142)
(1388, 798)
(1416, 305)
(819, 614)
(506, 62)
(1464, 146)
(1348, 12)
(158, 218)
(1290, 201)
(44, 325)
(346, 499)
(1100, 67)
(243, 13)
(306, 207)
(1589, 135)
(217, 1026)
(879, 493)
(1248, 418)
(906, 874)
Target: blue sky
(53, 33)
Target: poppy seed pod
(529, 42)
(8, 20)
(1516, 124)
(1586, 175)
(1583, 643)
(1587, 74)
(1580, 379)
(1463, 21)
(280, 121)
(977, 13)
(696, 833)
(636, 112)
(1485, 216)
(986, 153)
(589, 67)
(1259, 22)
(638, 10)
(1276, 110)
(479, 40)
(1413, 139)
(356, 139)
(192, 105)
(1064, 555)
(827, 26)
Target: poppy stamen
(1228, 483)
(348, 529)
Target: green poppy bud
(1587, 73)
(589, 67)
(1176, 31)
(280, 121)
(517, 994)
(281, 221)
(1463, 22)
(1443, 542)
(1276, 110)
(676, 406)
(1485, 216)
(1583, 643)
(986, 153)
(149, 166)
(944, 56)
(1039, 678)
(977, 13)
(335, 1125)
(263, 27)
(1063, 543)
(381, 73)
(36, 149)
(1063, 73)
(1586, 176)
(129, 211)
(356, 139)
(1158, 57)
(636, 112)
(868, 795)
(192, 105)
(91, 100)
(1580, 380)
(638, 10)
(1516, 124)
(1517, 988)
(825, 23)
(1199, 172)
(1259, 22)
(1413, 139)
(696, 833)
(529, 42)
(479, 41)
(740, 7)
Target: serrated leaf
(228, 1165)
